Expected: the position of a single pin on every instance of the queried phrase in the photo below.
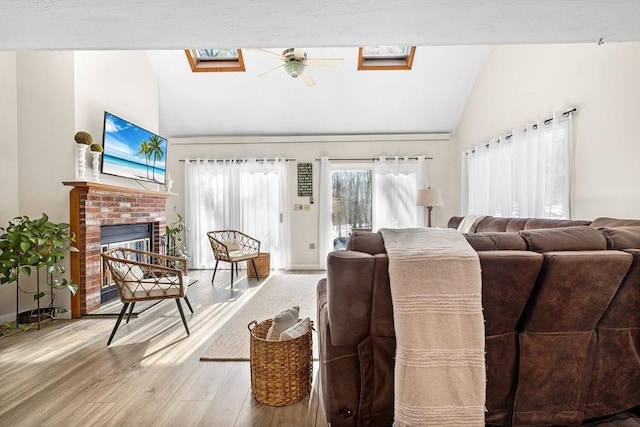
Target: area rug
(278, 292)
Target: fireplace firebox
(131, 236)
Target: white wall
(121, 82)
(44, 115)
(9, 159)
(46, 97)
(520, 84)
(304, 224)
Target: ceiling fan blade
(268, 53)
(270, 72)
(307, 78)
(325, 62)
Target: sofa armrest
(366, 241)
(350, 277)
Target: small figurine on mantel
(168, 183)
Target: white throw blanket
(437, 308)
(469, 223)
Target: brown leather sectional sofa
(562, 331)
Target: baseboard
(7, 318)
(12, 317)
(304, 267)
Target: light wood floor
(64, 375)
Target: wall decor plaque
(305, 180)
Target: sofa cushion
(622, 237)
(613, 222)
(126, 272)
(507, 280)
(153, 288)
(232, 245)
(496, 241)
(623, 310)
(581, 238)
(454, 221)
(573, 290)
(349, 305)
(493, 224)
(516, 224)
(537, 223)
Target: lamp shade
(429, 197)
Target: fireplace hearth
(94, 206)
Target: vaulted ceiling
(452, 39)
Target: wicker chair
(233, 247)
(145, 276)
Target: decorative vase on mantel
(81, 162)
(96, 152)
(83, 141)
(168, 183)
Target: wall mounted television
(130, 151)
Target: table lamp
(429, 197)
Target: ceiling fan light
(294, 68)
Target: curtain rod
(360, 159)
(546, 122)
(234, 160)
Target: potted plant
(174, 238)
(27, 245)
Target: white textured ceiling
(176, 24)
(430, 98)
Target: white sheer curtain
(524, 175)
(246, 195)
(489, 174)
(396, 182)
(325, 241)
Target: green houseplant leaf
(27, 244)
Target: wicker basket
(281, 371)
(263, 265)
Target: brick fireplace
(93, 205)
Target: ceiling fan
(296, 62)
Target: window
(386, 57)
(526, 174)
(350, 203)
(215, 60)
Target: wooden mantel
(92, 205)
(115, 188)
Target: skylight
(386, 57)
(216, 54)
(215, 60)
